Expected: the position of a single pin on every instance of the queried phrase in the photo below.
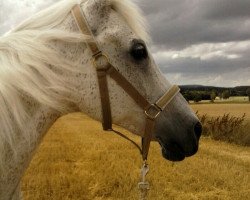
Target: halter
(103, 68)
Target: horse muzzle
(176, 150)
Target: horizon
(215, 86)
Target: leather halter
(104, 68)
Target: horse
(47, 71)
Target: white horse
(46, 72)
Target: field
(77, 160)
(215, 109)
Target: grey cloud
(209, 67)
(229, 79)
(179, 24)
(226, 9)
(176, 24)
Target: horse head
(119, 30)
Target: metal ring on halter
(155, 108)
(96, 57)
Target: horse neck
(40, 119)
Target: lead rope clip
(143, 186)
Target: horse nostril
(198, 129)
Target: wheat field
(77, 160)
(215, 109)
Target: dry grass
(226, 128)
(226, 122)
(79, 161)
(215, 110)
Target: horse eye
(139, 51)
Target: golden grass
(226, 128)
(77, 160)
(215, 110)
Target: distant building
(233, 99)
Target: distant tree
(197, 97)
(205, 95)
(225, 94)
(248, 93)
(187, 96)
(220, 95)
(213, 96)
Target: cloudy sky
(194, 41)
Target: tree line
(198, 93)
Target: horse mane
(25, 66)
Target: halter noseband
(152, 111)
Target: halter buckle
(100, 61)
(153, 111)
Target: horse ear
(96, 11)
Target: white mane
(25, 61)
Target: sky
(205, 42)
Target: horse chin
(172, 151)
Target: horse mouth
(172, 151)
